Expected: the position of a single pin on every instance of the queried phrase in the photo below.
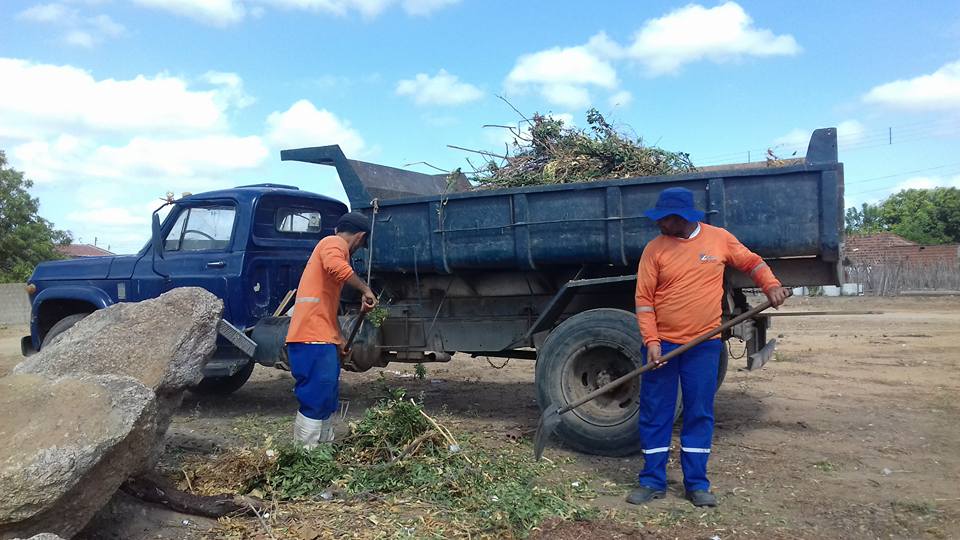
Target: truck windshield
(202, 228)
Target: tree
(925, 216)
(25, 238)
(865, 220)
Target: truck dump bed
(789, 214)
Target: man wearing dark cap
(678, 298)
(314, 342)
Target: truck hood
(84, 268)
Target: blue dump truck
(544, 273)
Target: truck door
(198, 251)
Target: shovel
(550, 418)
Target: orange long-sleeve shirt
(680, 283)
(318, 296)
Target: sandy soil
(850, 432)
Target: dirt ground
(850, 432)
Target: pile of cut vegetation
(547, 151)
(398, 473)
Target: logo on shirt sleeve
(704, 258)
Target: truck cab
(247, 245)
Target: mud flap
(758, 359)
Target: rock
(92, 407)
(163, 343)
(66, 444)
(42, 536)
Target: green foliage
(420, 371)
(394, 449)
(377, 315)
(863, 221)
(925, 216)
(25, 238)
(551, 153)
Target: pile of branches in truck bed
(546, 151)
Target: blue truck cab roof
(250, 193)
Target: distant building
(886, 247)
(78, 251)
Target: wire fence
(893, 277)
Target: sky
(108, 105)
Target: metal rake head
(545, 428)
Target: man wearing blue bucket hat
(679, 294)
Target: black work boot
(702, 497)
(644, 494)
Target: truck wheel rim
(592, 367)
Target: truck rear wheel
(585, 352)
(221, 386)
(580, 355)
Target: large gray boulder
(163, 343)
(66, 445)
(63, 455)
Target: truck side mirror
(157, 240)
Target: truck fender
(96, 297)
(93, 295)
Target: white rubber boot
(326, 430)
(307, 431)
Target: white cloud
(80, 39)
(442, 89)
(140, 161)
(48, 100)
(46, 13)
(928, 182)
(939, 90)
(562, 75)
(231, 92)
(366, 8)
(304, 125)
(425, 7)
(849, 132)
(620, 99)
(212, 12)
(566, 95)
(694, 33)
(79, 30)
(110, 216)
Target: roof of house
(74, 251)
(882, 247)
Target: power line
(864, 180)
(903, 133)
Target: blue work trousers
(696, 373)
(316, 369)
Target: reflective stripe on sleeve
(757, 267)
(695, 450)
(644, 309)
(308, 300)
(656, 450)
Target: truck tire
(222, 386)
(60, 327)
(580, 355)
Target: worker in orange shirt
(314, 342)
(678, 297)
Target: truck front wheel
(221, 386)
(60, 327)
